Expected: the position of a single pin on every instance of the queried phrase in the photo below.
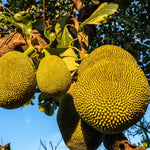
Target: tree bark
(118, 142)
(15, 41)
(5, 147)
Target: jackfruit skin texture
(112, 94)
(75, 132)
(53, 76)
(102, 52)
(17, 80)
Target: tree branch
(43, 145)
(78, 4)
(118, 142)
(7, 9)
(58, 144)
(44, 14)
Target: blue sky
(24, 127)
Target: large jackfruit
(17, 80)
(112, 94)
(53, 76)
(105, 51)
(76, 133)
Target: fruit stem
(30, 51)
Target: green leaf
(69, 58)
(38, 24)
(50, 108)
(59, 27)
(66, 38)
(49, 35)
(26, 28)
(6, 17)
(41, 97)
(23, 21)
(100, 15)
(53, 51)
(22, 17)
(95, 2)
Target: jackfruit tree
(88, 58)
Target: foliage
(58, 20)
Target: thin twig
(8, 39)
(51, 145)
(43, 144)
(7, 9)
(78, 4)
(145, 129)
(44, 14)
(58, 144)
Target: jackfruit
(76, 133)
(112, 94)
(105, 51)
(123, 4)
(53, 76)
(17, 80)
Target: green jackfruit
(105, 51)
(53, 76)
(17, 80)
(112, 94)
(76, 133)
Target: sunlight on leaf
(59, 27)
(69, 58)
(49, 35)
(65, 39)
(101, 14)
(23, 20)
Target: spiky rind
(76, 133)
(112, 94)
(17, 80)
(53, 76)
(102, 52)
